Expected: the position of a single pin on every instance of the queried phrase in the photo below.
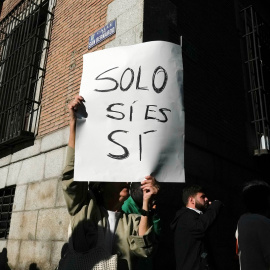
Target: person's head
(136, 193)
(194, 197)
(256, 196)
(111, 195)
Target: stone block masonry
(39, 223)
(129, 15)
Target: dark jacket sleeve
(75, 192)
(201, 223)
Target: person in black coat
(190, 225)
(253, 230)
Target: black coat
(189, 236)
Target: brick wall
(74, 22)
(8, 5)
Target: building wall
(39, 223)
(39, 218)
(70, 41)
(217, 149)
(218, 145)
(73, 23)
(7, 7)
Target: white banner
(135, 116)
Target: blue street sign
(103, 33)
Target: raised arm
(75, 193)
(150, 188)
(73, 107)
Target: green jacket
(130, 206)
(86, 214)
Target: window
(256, 37)
(24, 42)
(6, 203)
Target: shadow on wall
(4, 260)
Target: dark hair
(95, 187)
(136, 193)
(190, 191)
(256, 196)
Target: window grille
(6, 203)
(256, 35)
(24, 43)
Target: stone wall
(129, 15)
(39, 220)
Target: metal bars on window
(257, 40)
(24, 42)
(6, 203)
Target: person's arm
(149, 188)
(264, 239)
(75, 193)
(145, 245)
(73, 107)
(131, 207)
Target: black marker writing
(140, 141)
(130, 71)
(126, 152)
(148, 110)
(138, 81)
(157, 70)
(131, 111)
(109, 109)
(165, 116)
(161, 110)
(107, 78)
(131, 79)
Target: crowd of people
(114, 225)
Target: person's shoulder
(179, 215)
(185, 213)
(184, 216)
(253, 220)
(246, 217)
(253, 216)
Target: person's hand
(73, 106)
(150, 188)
